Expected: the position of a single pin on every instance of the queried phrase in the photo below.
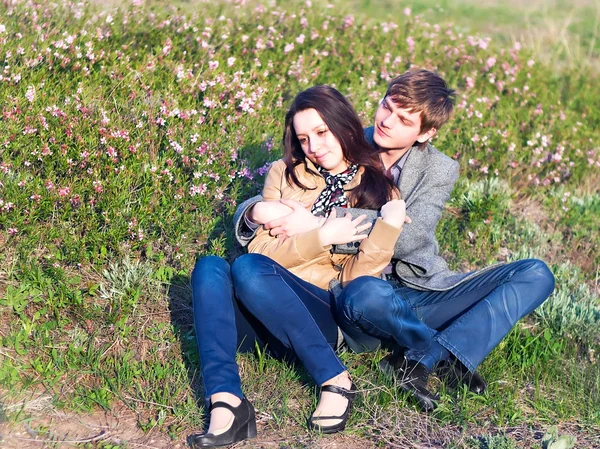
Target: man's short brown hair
(426, 92)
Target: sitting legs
(470, 318)
(221, 328)
(298, 314)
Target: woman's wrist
(323, 237)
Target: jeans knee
(247, 272)
(366, 296)
(249, 265)
(537, 274)
(209, 266)
(535, 282)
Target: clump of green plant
(552, 440)
(497, 442)
(572, 310)
(124, 282)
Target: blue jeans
(471, 318)
(297, 313)
(222, 326)
(288, 316)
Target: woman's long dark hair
(375, 189)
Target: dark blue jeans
(292, 318)
(471, 318)
(222, 327)
(297, 313)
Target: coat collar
(305, 177)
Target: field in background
(128, 136)
(560, 32)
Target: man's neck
(390, 157)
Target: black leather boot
(411, 376)
(455, 373)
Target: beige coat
(303, 254)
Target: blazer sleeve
(374, 253)
(292, 251)
(425, 210)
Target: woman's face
(318, 142)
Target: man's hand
(394, 213)
(297, 221)
(336, 231)
(266, 211)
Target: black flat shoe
(243, 427)
(411, 376)
(454, 372)
(348, 394)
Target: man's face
(396, 128)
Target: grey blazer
(426, 182)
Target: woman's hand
(394, 213)
(336, 231)
(299, 220)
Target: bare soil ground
(69, 430)
(46, 427)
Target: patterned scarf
(333, 193)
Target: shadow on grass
(182, 320)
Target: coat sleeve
(292, 251)
(374, 253)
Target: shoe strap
(348, 394)
(323, 418)
(221, 404)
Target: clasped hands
(285, 218)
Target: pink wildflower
(98, 186)
(30, 94)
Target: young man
(469, 313)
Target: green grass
(124, 150)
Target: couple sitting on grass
(342, 253)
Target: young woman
(278, 293)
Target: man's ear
(426, 135)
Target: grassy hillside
(130, 132)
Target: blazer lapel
(413, 173)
